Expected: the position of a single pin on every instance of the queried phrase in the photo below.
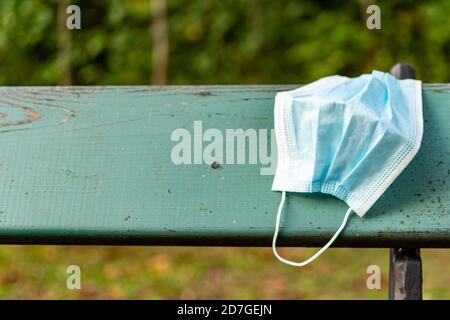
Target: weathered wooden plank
(93, 165)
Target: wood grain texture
(92, 165)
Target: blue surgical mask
(347, 137)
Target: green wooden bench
(92, 165)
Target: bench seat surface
(92, 165)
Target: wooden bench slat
(92, 165)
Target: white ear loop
(318, 253)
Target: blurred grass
(39, 272)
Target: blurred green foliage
(233, 41)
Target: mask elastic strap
(318, 253)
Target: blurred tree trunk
(257, 23)
(64, 45)
(160, 36)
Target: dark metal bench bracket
(405, 274)
(405, 264)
